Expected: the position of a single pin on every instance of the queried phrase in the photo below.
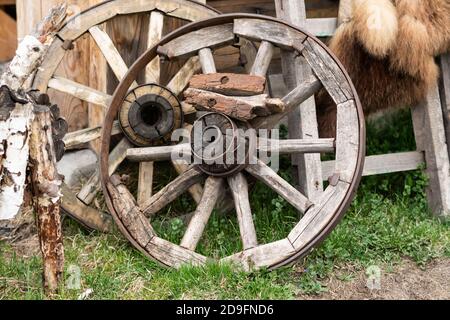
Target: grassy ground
(388, 221)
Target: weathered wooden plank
(173, 255)
(172, 191)
(230, 84)
(263, 255)
(239, 189)
(241, 108)
(273, 32)
(269, 177)
(382, 164)
(129, 213)
(162, 153)
(145, 182)
(444, 90)
(331, 76)
(189, 44)
(196, 190)
(430, 138)
(177, 8)
(347, 140)
(197, 225)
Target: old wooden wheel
(50, 78)
(229, 105)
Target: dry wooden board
(191, 43)
(273, 32)
(381, 164)
(8, 40)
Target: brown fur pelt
(388, 48)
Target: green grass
(387, 222)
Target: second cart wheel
(235, 103)
(50, 78)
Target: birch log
(46, 184)
(14, 126)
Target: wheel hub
(149, 115)
(219, 145)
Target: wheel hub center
(219, 145)
(149, 115)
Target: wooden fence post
(431, 139)
(302, 122)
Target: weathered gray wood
(110, 52)
(230, 84)
(196, 191)
(80, 91)
(93, 185)
(444, 89)
(207, 61)
(269, 177)
(241, 108)
(145, 182)
(129, 213)
(297, 145)
(347, 140)
(273, 32)
(187, 10)
(153, 69)
(328, 72)
(189, 44)
(173, 255)
(430, 137)
(300, 94)
(382, 164)
(162, 153)
(239, 189)
(172, 191)
(263, 255)
(212, 190)
(79, 138)
(319, 216)
(263, 59)
(181, 79)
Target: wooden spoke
(297, 145)
(93, 186)
(239, 189)
(207, 61)
(211, 193)
(181, 79)
(269, 177)
(80, 137)
(172, 191)
(152, 72)
(163, 153)
(263, 59)
(80, 91)
(300, 94)
(191, 43)
(145, 182)
(196, 190)
(110, 52)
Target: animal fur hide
(388, 48)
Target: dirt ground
(405, 282)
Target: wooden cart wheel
(199, 40)
(90, 24)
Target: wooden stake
(46, 183)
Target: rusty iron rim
(146, 58)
